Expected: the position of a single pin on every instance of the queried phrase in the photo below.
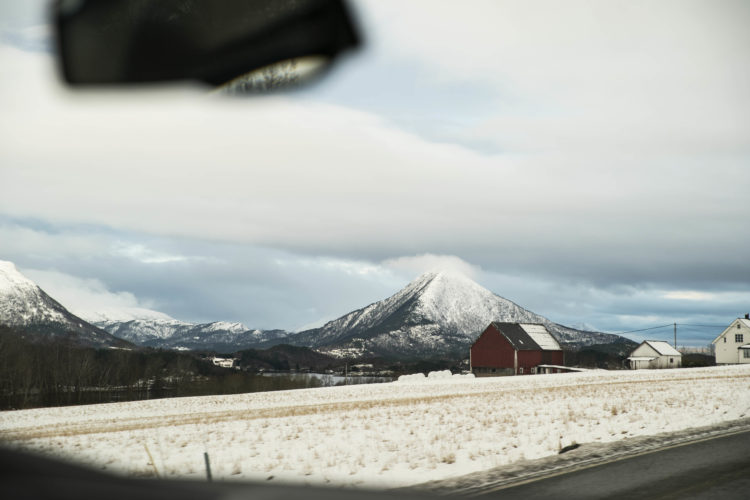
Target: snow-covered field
(392, 434)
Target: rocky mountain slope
(173, 334)
(438, 313)
(27, 307)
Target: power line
(668, 325)
(703, 326)
(644, 329)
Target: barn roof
(541, 336)
(522, 340)
(663, 348)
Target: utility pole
(675, 335)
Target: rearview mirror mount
(252, 45)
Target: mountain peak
(449, 290)
(12, 281)
(443, 273)
(24, 305)
(439, 282)
(447, 277)
(22, 301)
(440, 311)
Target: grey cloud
(587, 186)
(261, 287)
(273, 288)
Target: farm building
(223, 362)
(515, 348)
(732, 346)
(654, 354)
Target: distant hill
(174, 334)
(286, 357)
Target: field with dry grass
(384, 434)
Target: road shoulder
(585, 456)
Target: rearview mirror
(248, 45)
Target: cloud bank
(585, 159)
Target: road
(712, 468)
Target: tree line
(59, 372)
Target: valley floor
(380, 435)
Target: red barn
(514, 348)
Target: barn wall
(528, 360)
(492, 350)
(485, 371)
(531, 359)
(640, 364)
(657, 363)
(663, 362)
(553, 358)
(644, 351)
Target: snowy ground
(379, 435)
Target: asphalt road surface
(716, 468)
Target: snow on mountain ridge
(174, 334)
(12, 280)
(227, 326)
(123, 314)
(139, 331)
(438, 312)
(22, 302)
(24, 305)
(456, 300)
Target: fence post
(208, 466)
(153, 464)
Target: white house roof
(541, 336)
(746, 322)
(641, 358)
(663, 348)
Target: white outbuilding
(654, 354)
(732, 346)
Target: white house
(732, 346)
(655, 354)
(223, 362)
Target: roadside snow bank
(414, 377)
(432, 376)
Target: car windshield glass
(535, 212)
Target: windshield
(586, 161)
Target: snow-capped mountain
(438, 313)
(121, 314)
(174, 334)
(27, 307)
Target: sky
(588, 160)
